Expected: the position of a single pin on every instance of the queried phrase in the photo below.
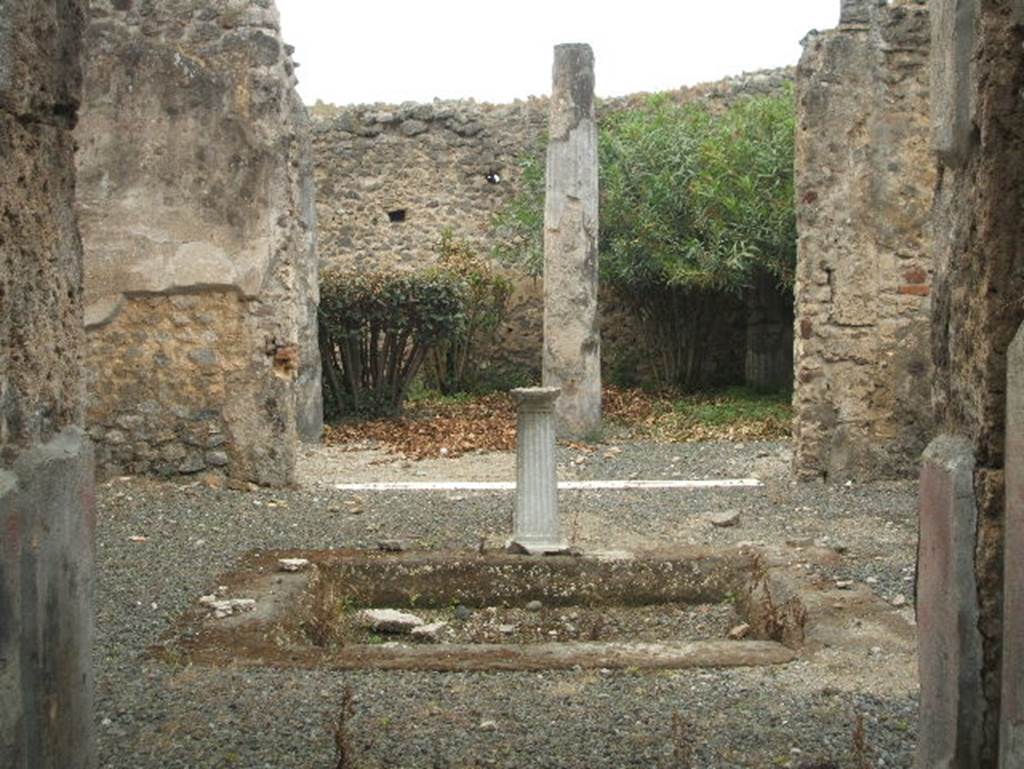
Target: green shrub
(376, 331)
(455, 360)
(695, 204)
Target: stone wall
(865, 180)
(391, 178)
(978, 81)
(196, 205)
(46, 491)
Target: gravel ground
(803, 714)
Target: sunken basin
(691, 607)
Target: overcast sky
(415, 50)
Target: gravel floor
(800, 715)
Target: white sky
(414, 50)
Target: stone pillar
(200, 242)
(1011, 737)
(949, 643)
(46, 489)
(536, 528)
(572, 342)
(865, 182)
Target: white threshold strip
(723, 483)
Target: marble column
(535, 528)
(572, 342)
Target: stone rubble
(225, 607)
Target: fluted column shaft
(536, 527)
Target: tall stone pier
(572, 342)
(46, 490)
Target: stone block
(952, 709)
(1011, 733)
(953, 102)
(46, 598)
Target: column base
(537, 547)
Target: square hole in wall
(396, 216)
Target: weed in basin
(343, 751)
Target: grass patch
(732, 414)
(734, 405)
(432, 399)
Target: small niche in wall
(493, 177)
(396, 216)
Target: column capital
(536, 399)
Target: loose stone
(429, 633)
(739, 632)
(725, 520)
(388, 620)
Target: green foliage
(695, 202)
(455, 360)
(734, 405)
(376, 331)
(698, 200)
